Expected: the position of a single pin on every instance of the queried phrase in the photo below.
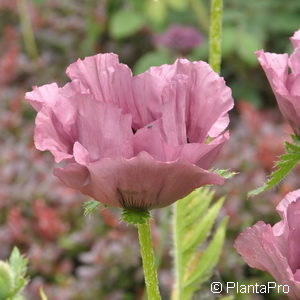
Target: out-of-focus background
(96, 258)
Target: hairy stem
(215, 34)
(149, 266)
(177, 289)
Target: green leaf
(154, 58)
(90, 207)
(125, 23)
(200, 232)
(6, 280)
(18, 263)
(225, 173)
(193, 223)
(284, 166)
(209, 258)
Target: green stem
(215, 34)
(148, 261)
(177, 290)
(27, 30)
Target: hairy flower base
(135, 216)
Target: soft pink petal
(102, 129)
(49, 134)
(47, 93)
(276, 69)
(202, 155)
(143, 182)
(206, 96)
(81, 154)
(150, 139)
(257, 246)
(297, 275)
(294, 61)
(293, 219)
(295, 39)
(281, 229)
(107, 80)
(75, 176)
(211, 99)
(219, 126)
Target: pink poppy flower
(276, 249)
(285, 84)
(134, 141)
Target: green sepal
(135, 216)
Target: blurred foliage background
(97, 258)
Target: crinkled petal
(49, 134)
(293, 219)
(202, 155)
(295, 39)
(206, 96)
(102, 129)
(107, 80)
(281, 229)
(276, 69)
(150, 139)
(257, 246)
(142, 182)
(219, 126)
(75, 176)
(71, 116)
(47, 93)
(294, 61)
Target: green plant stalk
(177, 289)
(27, 30)
(215, 35)
(149, 265)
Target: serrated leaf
(284, 166)
(90, 207)
(193, 222)
(194, 205)
(295, 139)
(209, 258)
(225, 173)
(125, 23)
(6, 280)
(200, 231)
(18, 263)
